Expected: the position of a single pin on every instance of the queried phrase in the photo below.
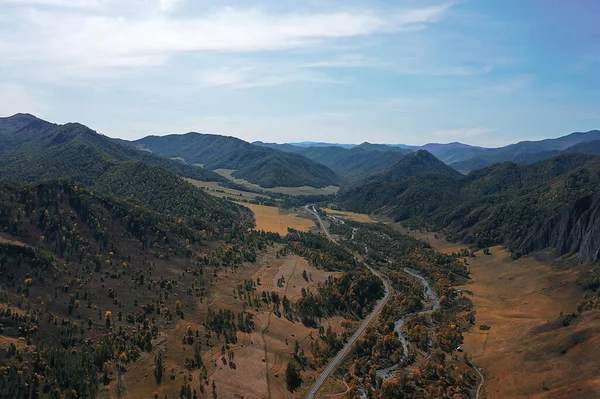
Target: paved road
(338, 358)
(311, 209)
(342, 353)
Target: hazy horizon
(485, 73)
(306, 141)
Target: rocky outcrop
(576, 230)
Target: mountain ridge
(264, 166)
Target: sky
(483, 72)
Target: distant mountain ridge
(353, 164)
(266, 167)
(465, 157)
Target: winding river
(388, 372)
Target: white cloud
(261, 76)
(15, 98)
(98, 40)
(92, 4)
(167, 5)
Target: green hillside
(263, 166)
(504, 203)
(32, 149)
(352, 164)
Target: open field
(357, 217)
(291, 271)
(261, 357)
(439, 243)
(304, 190)
(270, 218)
(215, 188)
(228, 174)
(529, 352)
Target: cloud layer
(101, 39)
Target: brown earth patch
(270, 218)
(528, 352)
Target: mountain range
(465, 158)
(263, 166)
(352, 164)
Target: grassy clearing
(357, 217)
(529, 352)
(262, 356)
(216, 189)
(228, 174)
(437, 241)
(304, 190)
(269, 218)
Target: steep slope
(352, 164)
(94, 284)
(526, 207)
(36, 150)
(33, 149)
(264, 166)
(413, 164)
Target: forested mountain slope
(90, 284)
(413, 164)
(352, 164)
(550, 203)
(263, 166)
(33, 149)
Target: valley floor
(529, 352)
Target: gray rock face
(575, 230)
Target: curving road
(344, 351)
(482, 379)
(397, 326)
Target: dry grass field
(304, 190)
(260, 357)
(270, 218)
(357, 217)
(228, 174)
(439, 243)
(215, 188)
(529, 352)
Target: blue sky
(484, 72)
